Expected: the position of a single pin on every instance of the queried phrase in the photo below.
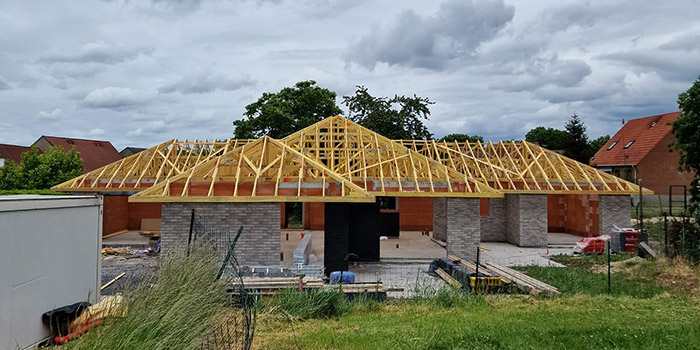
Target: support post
(189, 238)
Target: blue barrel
(348, 277)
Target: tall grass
(174, 310)
(312, 303)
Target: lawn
(571, 322)
(646, 310)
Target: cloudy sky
(139, 72)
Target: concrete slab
(511, 255)
(128, 239)
(412, 245)
(411, 277)
(557, 238)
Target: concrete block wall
(440, 218)
(526, 219)
(259, 243)
(493, 226)
(614, 210)
(463, 227)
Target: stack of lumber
(274, 283)
(150, 227)
(524, 282)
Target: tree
(549, 138)
(597, 144)
(576, 145)
(292, 108)
(399, 117)
(41, 171)
(461, 138)
(687, 131)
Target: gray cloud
(4, 85)
(50, 115)
(455, 31)
(667, 64)
(205, 82)
(683, 43)
(116, 98)
(540, 72)
(98, 52)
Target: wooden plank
(449, 279)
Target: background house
(11, 152)
(94, 153)
(640, 150)
(127, 151)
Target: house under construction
(464, 192)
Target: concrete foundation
(440, 218)
(462, 226)
(259, 244)
(526, 219)
(614, 210)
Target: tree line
(399, 117)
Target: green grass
(579, 280)
(174, 311)
(579, 322)
(589, 260)
(653, 212)
(312, 303)
(10, 192)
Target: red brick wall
(115, 214)
(659, 169)
(314, 216)
(138, 211)
(573, 213)
(415, 213)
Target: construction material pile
(488, 278)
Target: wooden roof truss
(522, 167)
(264, 170)
(380, 165)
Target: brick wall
(659, 168)
(138, 211)
(313, 216)
(462, 227)
(259, 244)
(526, 219)
(493, 226)
(614, 210)
(415, 213)
(440, 218)
(115, 214)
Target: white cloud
(117, 98)
(54, 114)
(205, 82)
(96, 132)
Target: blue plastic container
(348, 277)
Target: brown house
(640, 150)
(94, 153)
(11, 152)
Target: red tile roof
(12, 152)
(95, 153)
(646, 133)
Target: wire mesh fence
(237, 326)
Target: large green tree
(461, 138)
(282, 113)
(399, 117)
(549, 138)
(576, 145)
(687, 132)
(41, 171)
(597, 144)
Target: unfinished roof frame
(265, 170)
(380, 165)
(144, 169)
(523, 167)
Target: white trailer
(49, 257)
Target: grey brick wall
(614, 210)
(526, 219)
(493, 227)
(463, 227)
(259, 244)
(440, 218)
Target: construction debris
(524, 282)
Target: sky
(140, 72)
